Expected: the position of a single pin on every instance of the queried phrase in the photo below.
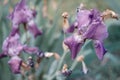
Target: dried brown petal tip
(5, 2)
(57, 56)
(65, 47)
(80, 58)
(66, 71)
(65, 68)
(49, 54)
(109, 14)
(65, 15)
(82, 6)
(25, 66)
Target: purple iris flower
(23, 15)
(12, 48)
(88, 25)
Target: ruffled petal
(74, 43)
(12, 46)
(99, 49)
(15, 63)
(32, 27)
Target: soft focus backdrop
(50, 21)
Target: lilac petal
(95, 15)
(34, 50)
(91, 30)
(99, 49)
(12, 46)
(101, 32)
(34, 29)
(74, 43)
(21, 4)
(15, 30)
(83, 17)
(15, 63)
(30, 50)
(21, 9)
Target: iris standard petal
(99, 49)
(83, 17)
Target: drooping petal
(99, 49)
(34, 50)
(74, 43)
(15, 63)
(30, 50)
(101, 32)
(32, 27)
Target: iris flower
(24, 15)
(12, 48)
(88, 25)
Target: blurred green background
(50, 21)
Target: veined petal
(99, 49)
(15, 63)
(32, 27)
(74, 43)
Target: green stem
(59, 66)
(76, 62)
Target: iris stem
(59, 66)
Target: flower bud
(65, 21)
